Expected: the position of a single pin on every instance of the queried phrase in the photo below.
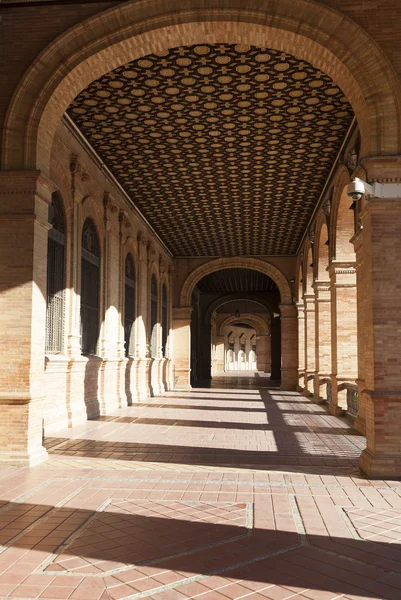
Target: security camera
(358, 188)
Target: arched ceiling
(223, 148)
(229, 281)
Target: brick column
(310, 347)
(343, 331)
(24, 200)
(182, 346)
(219, 360)
(378, 283)
(362, 278)
(289, 347)
(322, 338)
(301, 346)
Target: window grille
(164, 320)
(231, 352)
(55, 277)
(129, 307)
(153, 317)
(90, 285)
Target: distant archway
(231, 263)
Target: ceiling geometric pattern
(230, 281)
(223, 148)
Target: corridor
(215, 493)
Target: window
(90, 285)
(55, 276)
(164, 320)
(129, 308)
(153, 317)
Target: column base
(380, 466)
(24, 459)
(143, 373)
(335, 410)
(289, 380)
(360, 425)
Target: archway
(256, 332)
(119, 34)
(284, 331)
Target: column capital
(288, 310)
(384, 169)
(322, 291)
(182, 312)
(342, 274)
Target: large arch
(233, 263)
(310, 31)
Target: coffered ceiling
(223, 148)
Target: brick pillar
(182, 346)
(301, 346)
(343, 331)
(219, 361)
(289, 347)
(24, 200)
(378, 282)
(310, 349)
(275, 349)
(322, 338)
(362, 277)
(268, 350)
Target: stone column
(267, 367)
(301, 346)
(378, 284)
(24, 200)
(310, 345)
(343, 332)
(182, 346)
(322, 339)
(289, 347)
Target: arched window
(90, 285)
(164, 320)
(129, 307)
(55, 276)
(153, 317)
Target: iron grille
(54, 296)
(129, 307)
(153, 317)
(164, 320)
(55, 277)
(90, 285)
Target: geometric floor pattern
(278, 528)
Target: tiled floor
(213, 494)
